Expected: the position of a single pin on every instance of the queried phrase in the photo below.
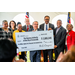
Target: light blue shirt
(57, 29)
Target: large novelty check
(39, 40)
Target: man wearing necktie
(47, 26)
(27, 26)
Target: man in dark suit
(59, 39)
(35, 55)
(47, 26)
(27, 26)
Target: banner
(39, 40)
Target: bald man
(27, 26)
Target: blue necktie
(46, 26)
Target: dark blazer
(47, 51)
(25, 29)
(50, 26)
(59, 38)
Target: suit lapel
(38, 29)
(58, 31)
(25, 28)
(43, 26)
(30, 26)
(49, 25)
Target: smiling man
(47, 26)
(59, 38)
(35, 55)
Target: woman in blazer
(70, 36)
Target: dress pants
(35, 56)
(57, 53)
(46, 53)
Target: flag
(69, 17)
(27, 15)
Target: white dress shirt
(45, 26)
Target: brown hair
(14, 23)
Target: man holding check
(47, 26)
(35, 55)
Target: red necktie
(27, 28)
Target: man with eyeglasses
(35, 55)
(47, 26)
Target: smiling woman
(21, 18)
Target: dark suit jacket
(50, 26)
(59, 38)
(25, 29)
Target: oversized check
(39, 40)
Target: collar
(36, 30)
(46, 24)
(28, 25)
(59, 27)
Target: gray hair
(34, 21)
(4, 21)
(59, 20)
(69, 24)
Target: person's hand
(44, 49)
(49, 29)
(10, 39)
(20, 60)
(55, 46)
(60, 57)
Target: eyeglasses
(46, 19)
(19, 27)
(35, 24)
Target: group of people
(62, 39)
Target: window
(63, 17)
(21, 18)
